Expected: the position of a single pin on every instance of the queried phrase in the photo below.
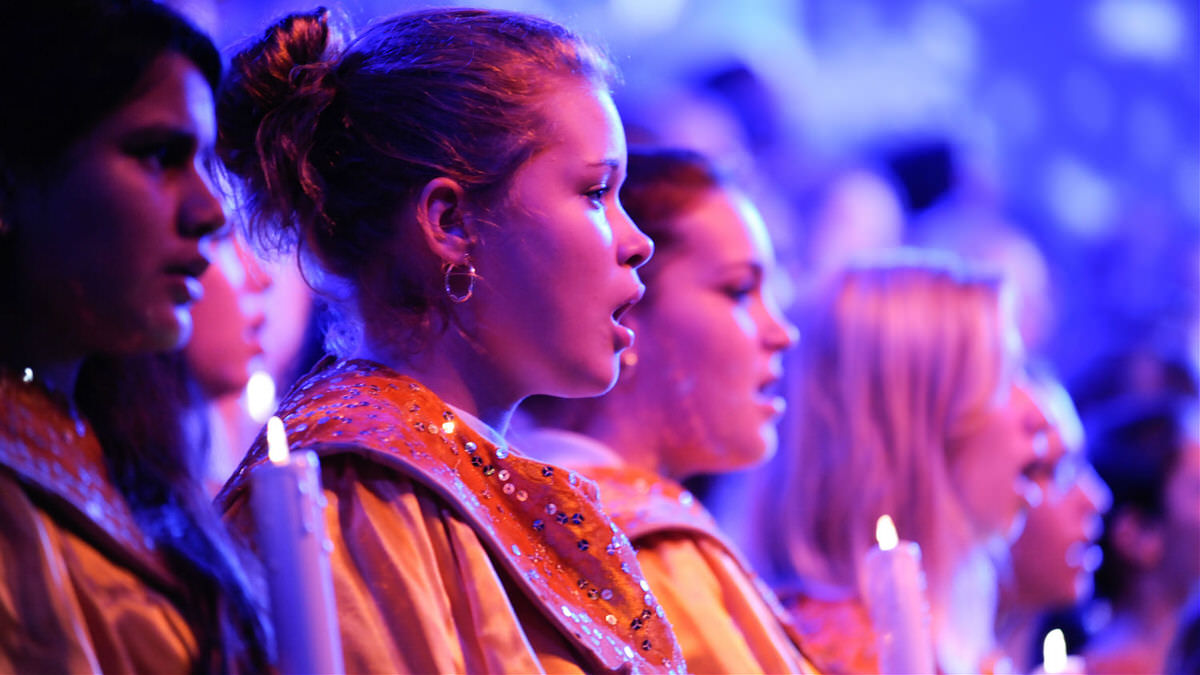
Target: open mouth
(187, 288)
(193, 267)
(628, 304)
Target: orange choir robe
(726, 619)
(82, 589)
(836, 632)
(455, 554)
(822, 623)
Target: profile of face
(710, 339)
(558, 269)
(1056, 554)
(226, 342)
(992, 467)
(110, 243)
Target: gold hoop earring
(459, 281)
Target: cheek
(989, 495)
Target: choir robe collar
(59, 458)
(541, 523)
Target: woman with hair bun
(450, 178)
(111, 556)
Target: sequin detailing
(645, 504)
(40, 441)
(537, 522)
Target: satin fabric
(452, 553)
(82, 590)
(837, 633)
(726, 619)
(823, 625)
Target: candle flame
(277, 447)
(885, 533)
(260, 395)
(1054, 652)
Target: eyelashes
(740, 292)
(165, 156)
(161, 150)
(596, 195)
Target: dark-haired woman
(451, 179)
(1147, 449)
(111, 558)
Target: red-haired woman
(451, 179)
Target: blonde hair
(902, 360)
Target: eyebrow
(610, 163)
(158, 132)
(755, 268)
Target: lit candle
(895, 587)
(289, 511)
(1054, 652)
(1054, 656)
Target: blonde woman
(906, 402)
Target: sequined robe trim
(541, 523)
(60, 460)
(644, 504)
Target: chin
(585, 383)
(1016, 526)
(770, 444)
(173, 332)
(173, 341)
(162, 336)
(742, 454)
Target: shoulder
(822, 627)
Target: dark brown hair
(83, 60)
(661, 186)
(329, 140)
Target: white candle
(289, 514)
(895, 587)
(1054, 652)
(1054, 656)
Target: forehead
(172, 93)
(724, 226)
(581, 118)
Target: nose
(634, 248)
(201, 212)
(1094, 490)
(779, 333)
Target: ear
(441, 215)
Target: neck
(962, 612)
(456, 372)
(1136, 639)
(634, 429)
(1015, 627)
(1149, 604)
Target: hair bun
(268, 110)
